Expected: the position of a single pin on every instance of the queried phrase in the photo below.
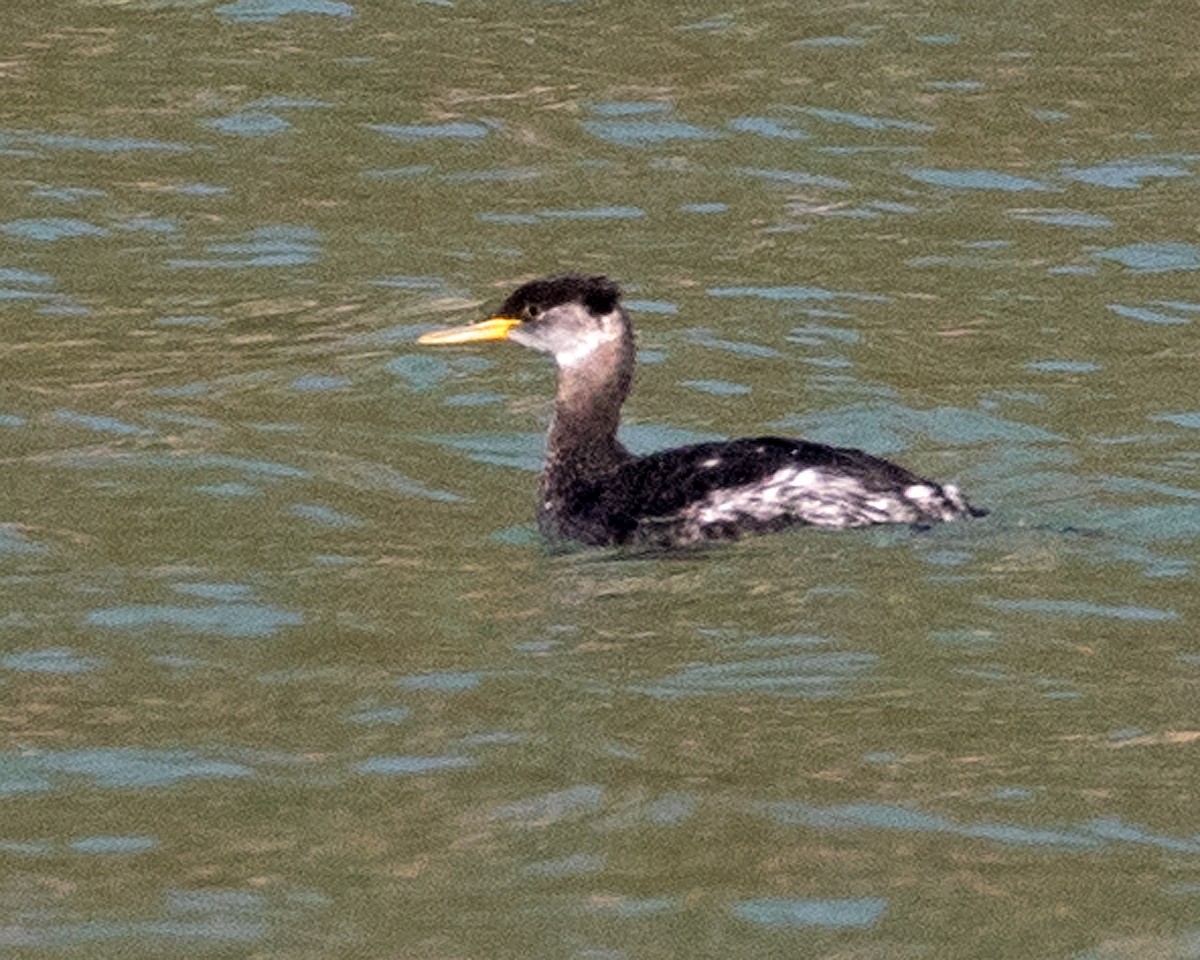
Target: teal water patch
(67, 194)
(101, 424)
(1083, 608)
(125, 767)
(268, 11)
(51, 229)
(783, 913)
(1154, 257)
(521, 451)
(446, 682)
(791, 292)
(272, 246)
(25, 277)
(1138, 485)
(379, 716)
(14, 541)
(225, 620)
(792, 177)
(418, 371)
(1063, 218)
(974, 180)
(886, 428)
(1117, 830)
(966, 636)
(1127, 174)
(832, 41)
(891, 818)
(550, 808)
(376, 476)
(407, 766)
(510, 219)
(420, 132)
(1152, 522)
(573, 865)
(865, 121)
(499, 175)
(250, 123)
(652, 306)
(766, 127)
(231, 490)
(703, 337)
(643, 438)
(1013, 794)
(320, 383)
(518, 535)
(197, 189)
(712, 207)
(69, 142)
(671, 809)
(1062, 366)
(1148, 315)
(477, 398)
(60, 661)
(609, 212)
(114, 845)
(960, 86)
(324, 516)
(438, 285)
(1184, 306)
(409, 172)
(809, 675)
(1190, 419)
(26, 848)
(647, 133)
(718, 388)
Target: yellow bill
(495, 328)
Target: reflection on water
(284, 666)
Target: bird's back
(756, 484)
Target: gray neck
(587, 409)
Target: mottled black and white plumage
(594, 491)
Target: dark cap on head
(598, 294)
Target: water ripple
(974, 179)
(225, 619)
(830, 914)
(420, 132)
(1082, 608)
(268, 11)
(645, 133)
(1154, 257)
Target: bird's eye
(533, 312)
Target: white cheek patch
(578, 351)
(577, 355)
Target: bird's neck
(583, 444)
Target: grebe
(594, 491)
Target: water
(284, 668)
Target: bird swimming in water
(595, 491)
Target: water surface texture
(285, 670)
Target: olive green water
(284, 668)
